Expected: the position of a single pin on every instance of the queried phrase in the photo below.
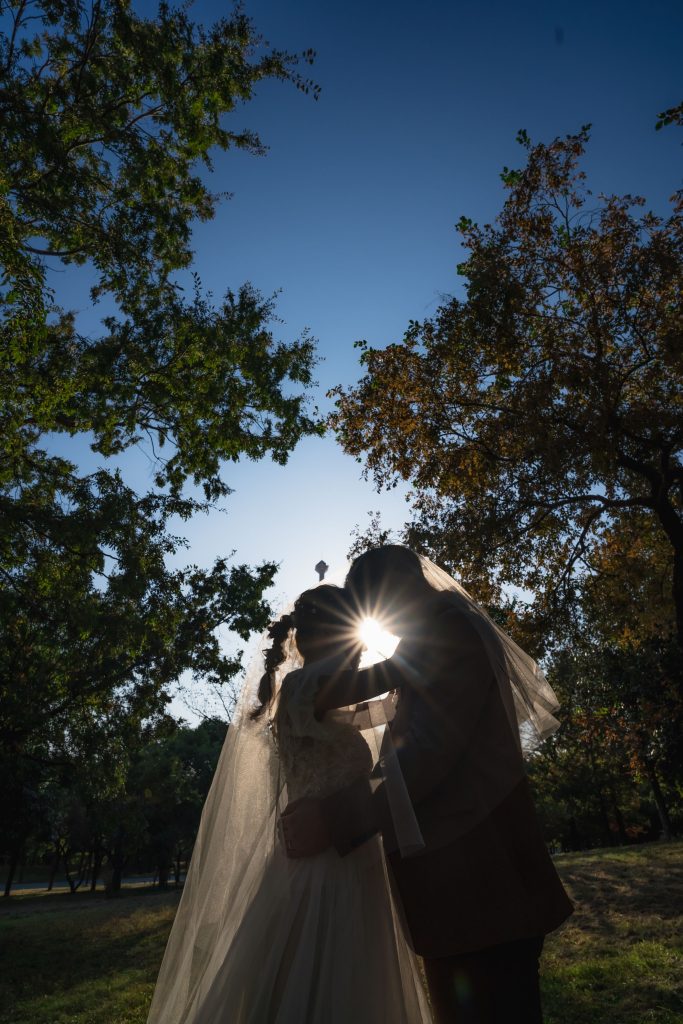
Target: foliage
(105, 115)
(373, 536)
(674, 115)
(132, 805)
(167, 785)
(108, 118)
(612, 774)
(541, 415)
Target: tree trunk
(606, 823)
(117, 864)
(97, 865)
(82, 870)
(677, 590)
(88, 868)
(67, 869)
(575, 841)
(619, 817)
(13, 862)
(53, 869)
(660, 803)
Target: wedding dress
(319, 941)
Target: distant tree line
(84, 830)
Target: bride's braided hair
(274, 656)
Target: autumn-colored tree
(541, 414)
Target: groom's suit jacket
(484, 876)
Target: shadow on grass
(615, 989)
(619, 959)
(90, 961)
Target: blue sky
(351, 212)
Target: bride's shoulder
(298, 687)
(291, 683)
(295, 715)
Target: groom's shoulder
(445, 611)
(452, 625)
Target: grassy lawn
(619, 959)
(84, 960)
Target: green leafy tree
(546, 406)
(107, 119)
(613, 771)
(170, 780)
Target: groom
(482, 894)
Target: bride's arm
(340, 689)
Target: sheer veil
(527, 696)
(238, 833)
(237, 836)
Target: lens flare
(379, 642)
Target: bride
(262, 939)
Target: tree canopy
(106, 116)
(540, 416)
(109, 121)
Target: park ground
(81, 959)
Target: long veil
(238, 834)
(236, 838)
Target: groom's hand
(304, 829)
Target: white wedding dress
(320, 941)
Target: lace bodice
(317, 757)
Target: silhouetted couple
(409, 828)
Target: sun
(379, 642)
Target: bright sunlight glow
(379, 642)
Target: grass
(82, 959)
(619, 960)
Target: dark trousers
(497, 985)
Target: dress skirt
(319, 943)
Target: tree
(543, 412)
(612, 773)
(106, 117)
(170, 780)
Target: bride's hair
(317, 613)
(273, 656)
